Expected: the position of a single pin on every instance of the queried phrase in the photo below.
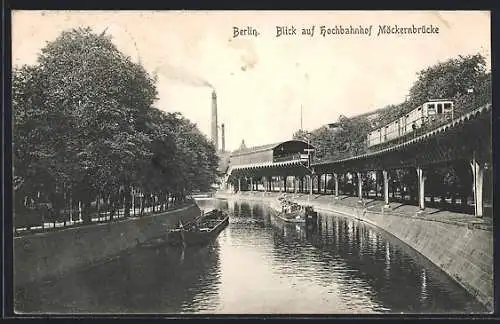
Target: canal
(260, 265)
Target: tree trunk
(97, 205)
(128, 201)
(86, 215)
(162, 202)
(143, 203)
(109, 207)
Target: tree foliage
(464, 80)
(84, 125)
(345, 140)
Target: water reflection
(373, 264)
(160, 280)
(259, 264)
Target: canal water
(259, 265)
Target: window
(447, 106)
(420, 109)
(439, 108)
(431, 109)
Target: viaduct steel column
(310, 185)
(251, 183)
(326, 183)
(477, 178)
(386, 187)
(336, 177)
(360, 186)
(239, 184)
(421, 188)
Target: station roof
(266, 147)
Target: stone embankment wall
(50, 254)
(463, 251)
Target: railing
(428, 125)
(35, 221)
(397, 136)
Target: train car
(429, 112)
(438, 109)
(375, 137)
(391, 131)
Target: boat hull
(283, 217)
(197, 237)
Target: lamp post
(311, 171)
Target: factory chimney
(223, 138)
(214, 121)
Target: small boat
(201, 232)
(294, 213)
(293, 217)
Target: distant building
(371, 116)
(334, 126)
(276, 152)
(242, 146)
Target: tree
(451, 79)
(302, 135)
(352, 135)
(84, 127)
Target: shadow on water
(143, 280)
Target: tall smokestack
(214, 121)
(223, 139)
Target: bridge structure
(260, 168)
(463, 144)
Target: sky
(263, 81)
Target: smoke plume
(181, 75)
